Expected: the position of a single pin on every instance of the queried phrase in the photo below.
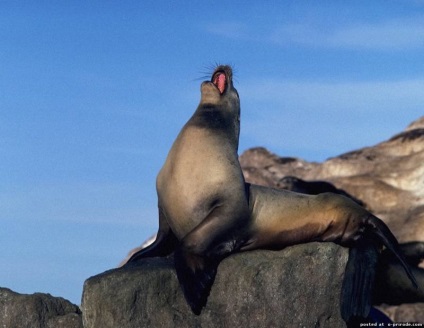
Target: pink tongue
(219, 81)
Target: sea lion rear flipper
(359, 281)
(164, 244)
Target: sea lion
(314, 187)
(207, 211)
(392, 287)
(201, 191)
(413, 252)
(391, 284)
(281, 218)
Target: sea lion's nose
(210, 93)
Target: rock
(37, 310)
(405, 312)
(296, 287)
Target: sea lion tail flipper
(380, 229)
(164, 244)
(358, 281)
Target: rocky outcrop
(388, 177)
(297, 287)
(37, 311)
(405, 312)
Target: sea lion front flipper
(359, 281)
(196, 275)
(164, 244)
(201, 250)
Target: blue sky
(93, 94)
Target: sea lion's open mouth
(220, 81)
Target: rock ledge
(297, 287)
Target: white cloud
(389, 35)
(395, 34)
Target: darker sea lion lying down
(312, 187)
(207, 211)
(392, 286)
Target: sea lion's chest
(195, 177)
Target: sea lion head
(219, 107)
(220, 89)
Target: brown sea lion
(207, 211)
(202, 199)
(392, 286)
(281, 218)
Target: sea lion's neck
(219, 120)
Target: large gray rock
(405, 312)
(37, 311)
(297, 287)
